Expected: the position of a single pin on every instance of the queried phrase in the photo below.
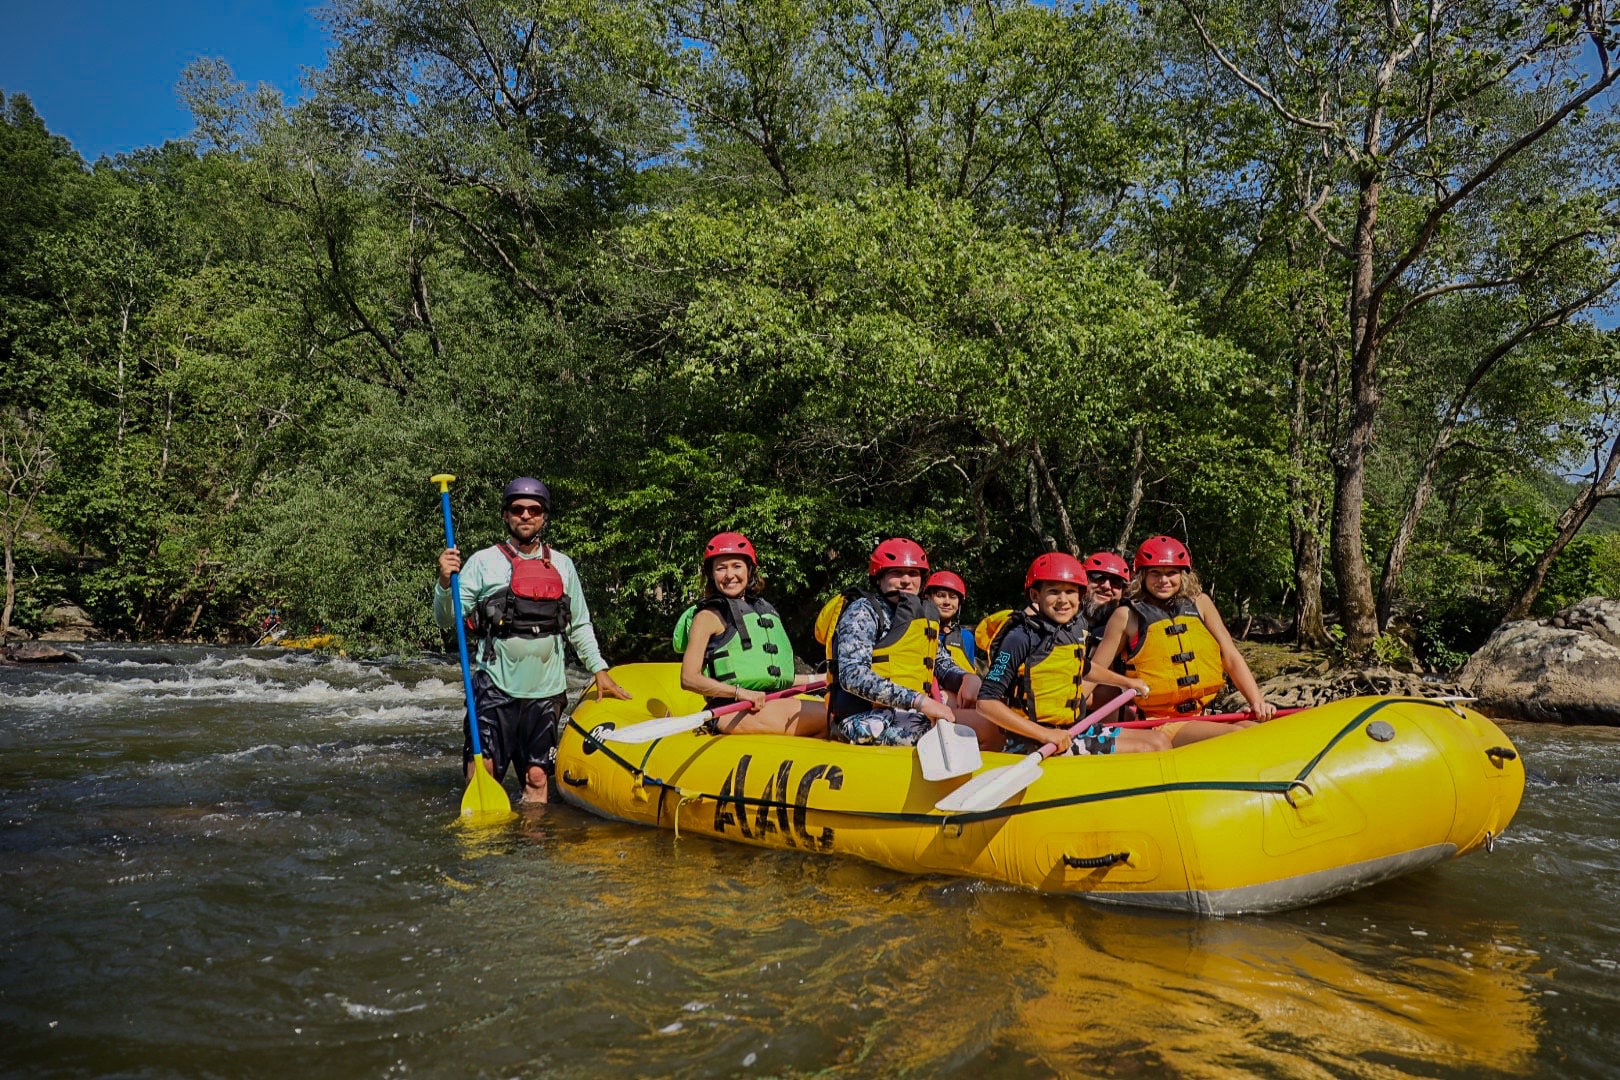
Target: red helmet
(944, 579)
(1163, 551)
(1106, 562)
(1055, 566)
(897, 552)
(730, 543)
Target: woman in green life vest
(734, 648)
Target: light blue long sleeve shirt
(522, 667)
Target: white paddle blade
(648, 730)
(948, 749)
(990, 789)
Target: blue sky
(103, 74)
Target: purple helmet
(526, 487)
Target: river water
(241, 863)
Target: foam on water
(74, 693)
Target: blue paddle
(486, 801)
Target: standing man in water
(522, 599)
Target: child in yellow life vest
(734, 648)
(886, 662)
(948, 591)
(1038, 680)
(1172, 638)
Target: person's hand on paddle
(755, 698)
(935, 710)
(1142, 689)
(1060, 739)
(1263, 710)
(449, 563)
(607, 688)
(967, 696)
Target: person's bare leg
(1141, 741)
(991, 737)
(536, 789)
(784, 716)
(1199, 730)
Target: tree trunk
(1070, 543)
(1357, 611)
(1305, 513)
(1395, 559)
(1032, 497)
(11, 591)
(1569, 523)
(1134, 506)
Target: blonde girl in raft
(1172, 638)
(734, 648)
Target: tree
(1600, 484)
(1431, 121)
(26, 465)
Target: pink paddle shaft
(792, 691)
(1219, 718)
(1089, 721)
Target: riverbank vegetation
(1325, 289)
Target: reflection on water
(247, 864)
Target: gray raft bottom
(1259, 899)
(1285, 893)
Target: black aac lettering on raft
(771, 813)
(729, 809)
(801, 803)
(775, 791)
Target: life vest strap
(1187, 680)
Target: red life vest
(533, 604)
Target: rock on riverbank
(1565, 669)
(36, 652)
(1304, 690)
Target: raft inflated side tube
(1267, 818)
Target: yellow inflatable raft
(310, 641)
(1267, 818)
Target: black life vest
(533, 604)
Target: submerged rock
(1565, 669)
(37, 652)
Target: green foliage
(1002, 276)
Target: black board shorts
(515, 731)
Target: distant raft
(311, 641)
(1267, 818)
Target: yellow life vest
(904, 654)
(1046, 687)
(963, 649)
(1177, 657)
(989, 628)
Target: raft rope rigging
(1286, 788)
